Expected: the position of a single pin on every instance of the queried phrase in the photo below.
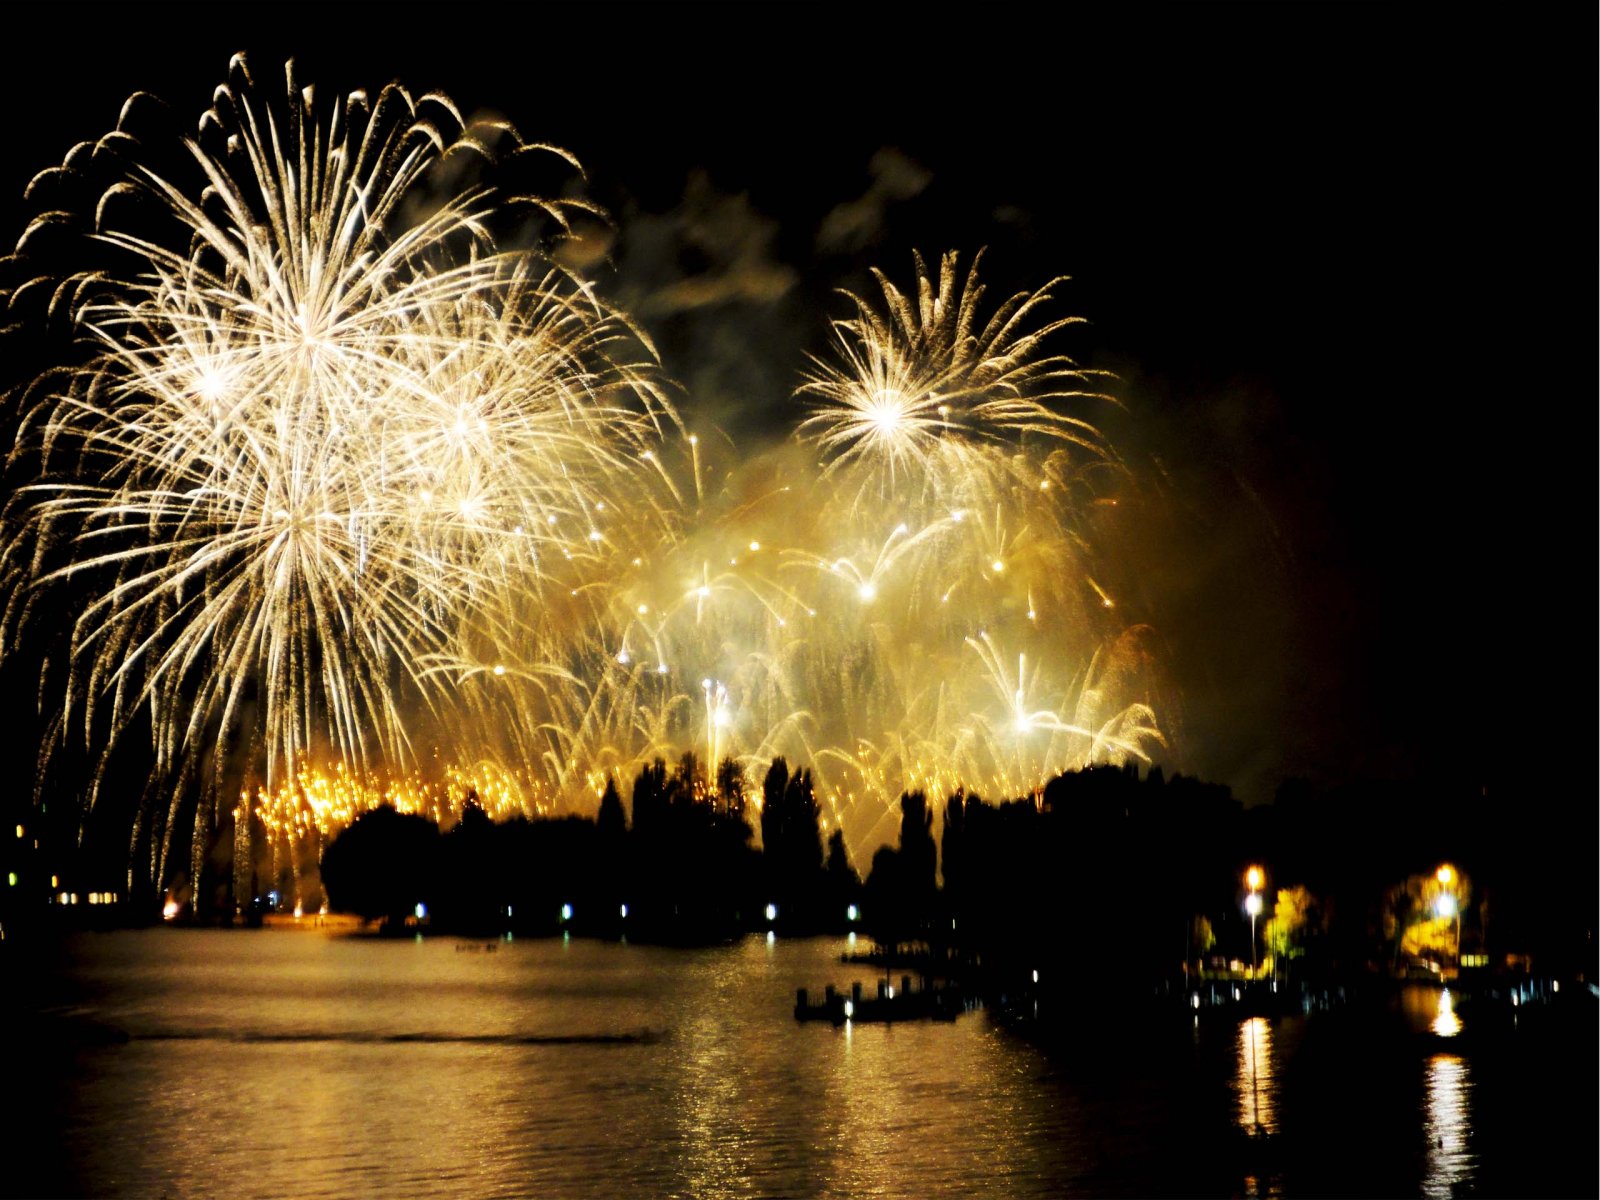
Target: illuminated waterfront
(302, 1064)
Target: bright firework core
(340, 484)
(886, 411)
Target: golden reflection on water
(322, 1067)
(1431, 1010)
(709, 1105)
(1446, 1023)
(1447, 1121)
(1255, 1077)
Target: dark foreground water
(281, 1064)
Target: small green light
(12, 879)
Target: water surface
(299, 1064)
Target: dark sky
(1328, 250)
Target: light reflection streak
(1447, 1123)
(1255, 1077)
(1446, 1024)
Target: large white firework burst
(320, 423)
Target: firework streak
(345, 496)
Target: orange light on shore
(1254, 877)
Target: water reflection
(1447, 1122)
(1255, 1077)
(1431, 1010)
(1446, 1023)
(325, 1067)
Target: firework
(347, 496)
(312, 438)
(862, 616)
(920, 389)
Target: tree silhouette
(841, 885)
(611, 820)
(791, 846)
(383, 865)
(730, 788)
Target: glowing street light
(1254, 877)
(1252, 905)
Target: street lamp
(1254, 877)
(1252, 905)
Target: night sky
(1325, 250)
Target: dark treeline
(683, 869)
(1106, 873)
(1101, 876)
(1107, 876)
(1121, 883)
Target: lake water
(280, 1064)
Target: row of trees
(1105, 874)
(1101, 865)
(683, 869)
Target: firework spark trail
(311, 439)
(923, 387)
(339, 482)
(861, 617)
